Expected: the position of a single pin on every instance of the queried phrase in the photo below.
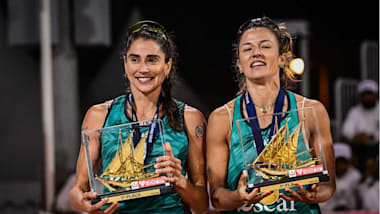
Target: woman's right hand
(248, 198)
(82, 201)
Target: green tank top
(236, 162)
(167, 203)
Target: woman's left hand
(171, 166)
(307, 196)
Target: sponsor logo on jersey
(280, 206)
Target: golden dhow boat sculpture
(280, 155)
(127, 165)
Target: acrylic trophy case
(125, 169)
(293, 154)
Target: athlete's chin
(148, 89)
(260, 77)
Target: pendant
(262, 110)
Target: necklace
(264, 109)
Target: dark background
(204, 32)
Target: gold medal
(271, 199)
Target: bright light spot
(297, 66)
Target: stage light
(297, 66)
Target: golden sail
(273, 146)
(127, 165)
(280, 155)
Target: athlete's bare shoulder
(193, 113)
(319, 112)
(95, 116)
(308, 102)
(220, 120)
(222, 112)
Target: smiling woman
(145, 67)
(149, 59)
(262, 54)
(160, 50)
(279, 40)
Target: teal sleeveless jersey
(236, 162)
(167, 203)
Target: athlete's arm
(217, 166)
(193, 190)
(196, 196)
(80, 195)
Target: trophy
(125, 167)
(288, 157)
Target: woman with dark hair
(149, 58)
(262, 54)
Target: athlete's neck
(145, 104)
(264, 94)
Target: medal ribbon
(254, 123)
(152, 129)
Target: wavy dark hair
(165, 41)
(287, 78)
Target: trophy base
(289, 182)
(134, 194)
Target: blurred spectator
(361, 126)
(347, 182)
(369, 185)
(362, 122)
